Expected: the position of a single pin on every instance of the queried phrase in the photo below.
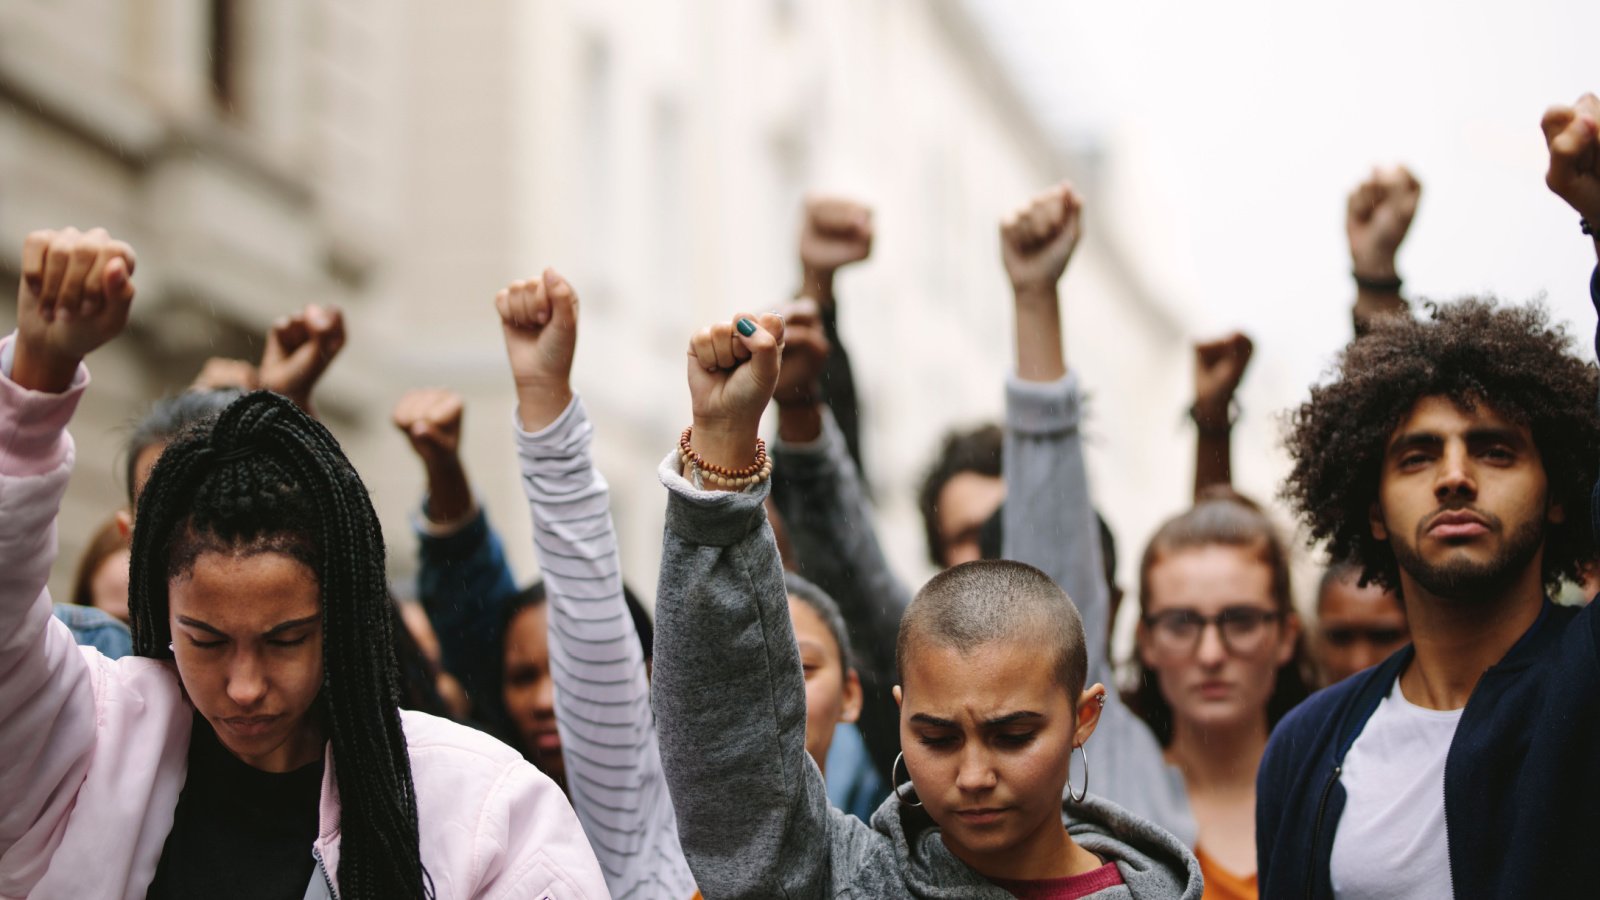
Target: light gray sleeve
(753, 815)
(1049, 522)
(608, 736)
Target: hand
(299, 349)
(431, 419)
(805, 353)
(539, 320)
(836, 231)
(1037, 240)
(1573, 135)
(219, 372)
(1219, 366)
(1377, 217)
(74, 296)
(733, 370)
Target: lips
(251, 726)
(1215, 690)
(547, 740)
(983, 816)
(1456, 524)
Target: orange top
(1222, 884)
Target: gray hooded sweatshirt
(729, 695)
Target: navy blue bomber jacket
(1522, 778)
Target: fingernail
(746, 327)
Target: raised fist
(1573, 135)
(1219, 366)
(1377, 216)
(299, 349)
(539, 320)
(74, 296)
(431, 419)
(733, 370)
(805, 352)
(836, 232)
(1037, 240)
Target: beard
(1472, 581)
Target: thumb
(563, 299)
(763, 337)
(118, 286)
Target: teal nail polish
(746, 327)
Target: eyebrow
(1418, 440)
(996, 722)
(279, 628)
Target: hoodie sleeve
(47, 704)
(819, 493)
(608, 736)
(1049, 522)
(753, 815)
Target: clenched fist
(1573, 136)
(1037, 240)
(430, 418)
(539, 320)
(299, 350)
(805, 353)
(74, 296)
(733, 370)
(1219, 366)
(1377, 217)
(836, 231)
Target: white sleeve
(608, 736)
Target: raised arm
(823, 504)
(835, 232)
(1048, 519)
(463, 579)
(608, 737)
(1219, 366)
(1377, 217)
(753, 814)
(299, 349)
(74, 296)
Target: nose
(1211, 651)
(1455, 475)
(976, 774)
(247, 681)
(544, 696)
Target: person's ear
(852, 697)
(1090, 704)
(1380, 531)
(124, 524)
(1289, 636)
(899, 698)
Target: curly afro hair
(1512, 359)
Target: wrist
(540, 403)
(1214, 415)
(1373, 266)
(45, 372)
(799, 423)
(817, 283)
(1035, 295)
(729, 445)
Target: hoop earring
(1085, 792)
(894, 778)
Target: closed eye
(1006, 739)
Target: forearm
(464, 583)
(608, 737)
(1213, 456)
(753, 815)
(449, 492)
(1040, 356)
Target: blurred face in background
(1214, 635)
(1357, 628)
(966, 502)
(529, 691)
(108, 588)
(833, 693)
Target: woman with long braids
(252, 747)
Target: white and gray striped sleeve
(608, 736)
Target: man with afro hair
(1453, 457)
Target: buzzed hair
(993, 600)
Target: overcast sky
(1230, 132)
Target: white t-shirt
(1391, 838)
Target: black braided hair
(264, 476)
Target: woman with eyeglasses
(1220, 659)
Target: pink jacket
(94, 752)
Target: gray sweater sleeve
(753, 815)
(1049, 522)
(608, 737)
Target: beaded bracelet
(754, 473)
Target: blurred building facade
(406, 159)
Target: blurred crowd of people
(234, 700)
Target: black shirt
(239, 831)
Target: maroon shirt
(1070, 888)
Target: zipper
(1316, 831)
(326, 879)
